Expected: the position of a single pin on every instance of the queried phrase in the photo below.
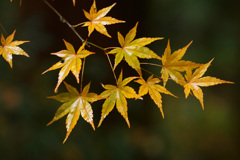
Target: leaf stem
(111, 67)
(78, 24)
(152, 64)
(4, 30)
(151, 73)
(97, 46)
(83, 67)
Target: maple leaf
(131, 49)
(74, 104)
(152, 87)
(71, 62)
(10, 47)
(195, 81)
(98, 20)
(117, 95)
(173, 65)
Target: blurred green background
(187, 132)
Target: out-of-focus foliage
(20, 2)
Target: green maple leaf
(74, 104)
(131, 49)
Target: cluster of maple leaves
(185, 73)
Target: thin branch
(62, 19)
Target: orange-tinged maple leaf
(98, 19)
(10, 47)
(131, 49)
(195, 80)
(74, 104)
(71, 62)
(117, 95)
(173, 65)
(152, 87)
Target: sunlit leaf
(97, 19)
(195, 80)
(10, 47)
(173, 64)
(132, 49)
(71, 62)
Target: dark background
(187, 132)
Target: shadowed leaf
(75, 104)
(152, 87)
(117, 95)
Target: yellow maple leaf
(74, 104)
(131, 49)
(172, 64)
(71, 62)
(195, 80)
(10, 47)
(152, 87)
(117, 95)
(98, 20)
